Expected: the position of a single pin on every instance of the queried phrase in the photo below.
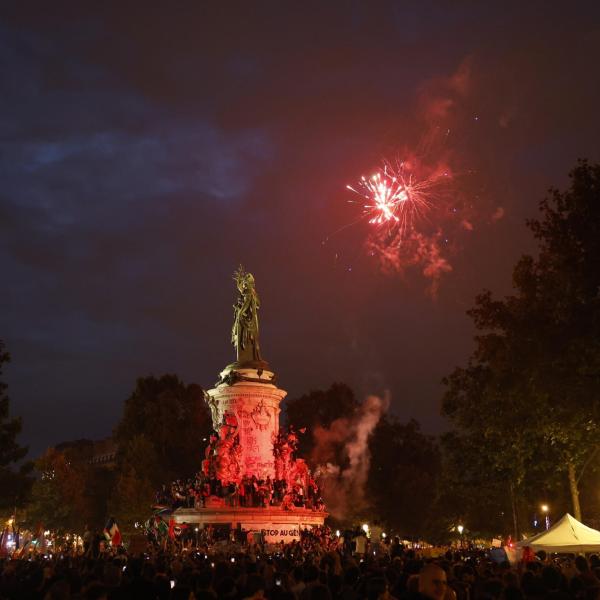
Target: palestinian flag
(112, 533)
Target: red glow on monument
(248, 447)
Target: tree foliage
(161, 436)
(527, 402)
(173, 418)
(403, 478)
(136, 483)
(58, 498)
(15, 480)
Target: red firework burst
(395, 197)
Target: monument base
(276, 524)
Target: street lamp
(546, 510)
(460, 529)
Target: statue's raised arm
(244, 334)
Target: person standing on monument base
(233, 494)
(242, 493)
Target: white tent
(566, 535)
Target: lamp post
(460, 529)
(546, 511)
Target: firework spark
(393, 196)
(409, 205)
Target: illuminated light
(394, 196)
(337, 532)
(546, 509)
(406, 208)
(460, 529)
(383, 535)
(365, 527)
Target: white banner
(274, 532)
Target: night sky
(146, 152)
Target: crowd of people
(251, 492)
(320, 566)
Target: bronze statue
(244, 335)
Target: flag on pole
(112, 533)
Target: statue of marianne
(244, 334)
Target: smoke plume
(342, 453)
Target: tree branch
(587, 462)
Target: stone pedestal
(251, 396)
(275, 524)
(245, 414)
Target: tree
(136, 483)
(566, 277)
(403, 478)
(174, 420)
(15, 480)
(528, 399)
(319, 407)
(58, 498)
(494, 448)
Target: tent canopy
(566, 535)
